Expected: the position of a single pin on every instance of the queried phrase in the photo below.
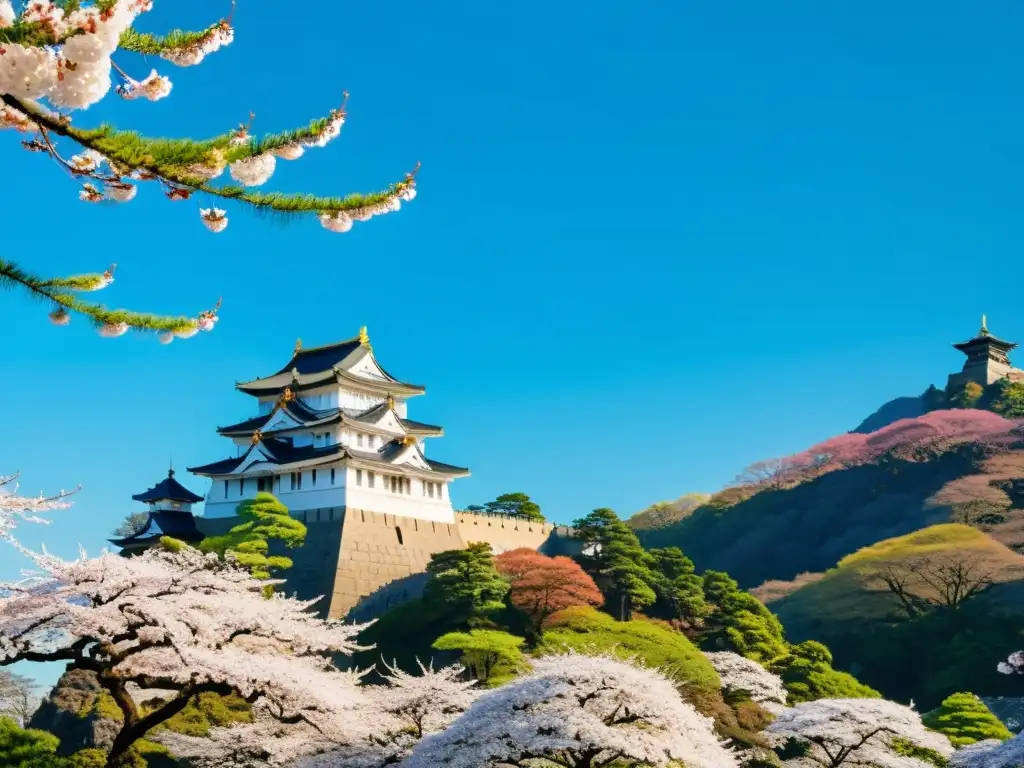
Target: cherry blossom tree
(857, 732)
(404, 708)
(741, 674)
(177, 620)
(541, 585)
(579, 712)
(57, 56)
(990, 753)
(14, 507)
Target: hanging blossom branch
(14, 507)
(62, 53)
(111, 322)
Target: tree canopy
(539, 585)
(465, 581)
(965, 719)
(263, 519)
(511, 505)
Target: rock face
(74, 713)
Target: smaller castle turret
(170, 514)
(987, 361)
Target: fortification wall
(377, 549)
(362, 562)
(502, 533)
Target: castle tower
(170, 514)
(987, 360)
(332, 434)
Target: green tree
(264, 519)
(465, 582)
(679, 589)
(132, 524)
(739, 622)
(615, 560)
(26, 748)
(806, 671)
(934, 399)
(512, 505)
(965, 719)
(967, 397)
(111, 164)
(1009, 399)
(492, 656)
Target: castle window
(241, 486)
(332, 477)
(394, 484)
(359, 439)
(291, 478)
(430, 490)
(359, 477)
(371, 478)
(225, 489)
(313, 481)
(277, 479)
(399, 532)
(299, 478)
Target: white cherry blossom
(857, 732)
(580, 711)
(739, 673)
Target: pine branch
(176, 162)
(13, 277)
(154, 45)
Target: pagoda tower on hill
(332, 435)
(170, 514)
(987, 361)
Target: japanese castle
(332, 432)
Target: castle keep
(987, 361)
(332, 440)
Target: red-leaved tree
(542, 585)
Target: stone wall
(364, 562)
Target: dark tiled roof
(297, 410)
(419, 426)
(448, 469)
(177, 525)
(222, 467)
(317, 359)
(286, 453)
(169, 489)
(983, 339)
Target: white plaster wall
(310, 496)
(411, 504)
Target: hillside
(926, 614)
(807, 512)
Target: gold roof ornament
(364, 337)
(984, 326)
(298, 346)
(287, 396)
(390, 401)
(257, 436)
(408, 440)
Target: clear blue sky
(654, 241)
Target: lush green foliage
(465, 582)
(493, 657)
(965, 719)
(24, 748)
(264, 519)
(967, 397)
(739, 622)
(587, 630)
(1008, 399)
(806, 670)
(513, 505)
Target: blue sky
(654, 242)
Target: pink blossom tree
(857, 732)
(177, 620)
(578, 712)
(14, 507)
(404, 709)
(740, 674)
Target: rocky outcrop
(79, 713)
